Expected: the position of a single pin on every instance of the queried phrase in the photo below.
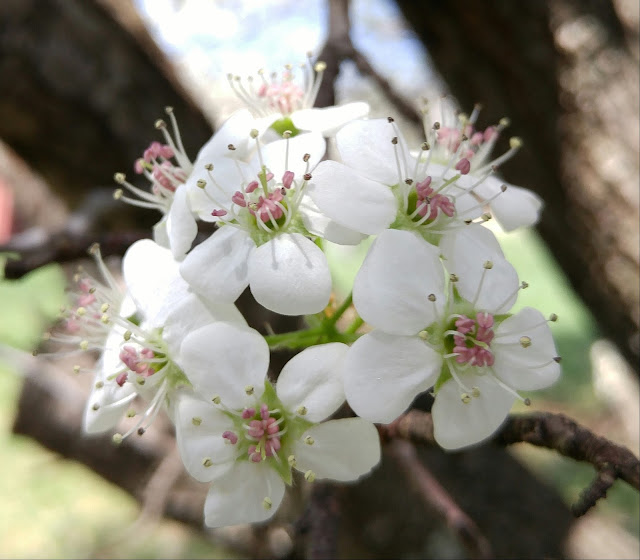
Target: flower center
(472, 340)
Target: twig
(339, 47)
(436, 496)
(556, 431)
(543, 429)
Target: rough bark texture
(566, 73)
(79, 92)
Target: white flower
(139, 336)
(263, 239)
(380, 185)
(287, 103)
(455, 335)
(470, 149)
(244, 435)
(173, 189)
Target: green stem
(331, 321)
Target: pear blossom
(286, 102)
(243, 434)
(173, 190)
(455, 334)
(264, 228)
(138, 333)
(471, 149)
(379, 184)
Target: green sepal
(284, 124)
(444, 376)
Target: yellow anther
(309, 440)
(249, 389)
(117, 194)
(201, 183)
(160, 124)
(267, 503)
(76, 369)
(84, 345)
(196, 420)
(309, 476)
(216, 400)
(81, 311)
(488, 265)
(453, 278)
(292, 461)
(465, 398)
(525, 341)
(207, 462)
(127, 335)
(515, 142)
(117, 439)
(301, 410)
(475, 392)
(320, 66)
(120, 178)
(254, 133)
(99, 385)
(131, 413)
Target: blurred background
(81, 84)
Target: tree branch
(433, 494)
(542, 429)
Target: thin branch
(543, 429)
(339, 47)
(432, 493)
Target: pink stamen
(219, 213)
(252, 186)
(471, 332)
(122, 378)
(248, 413)
(287, 179)
(464, 166)
(239, 199)
(230, 436)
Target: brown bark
(79, 93)
(566, 73)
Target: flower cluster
(435, 289)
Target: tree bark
(80, 92)
(566, 73)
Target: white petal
(199, 429)
(318, 224)
(274, 155)
(235, 130)
(217, 268)
(456, 424)
(290, 275)
(516, 207)
(191, 312)
(329, 120)
(384, 373)
(152, 278)
(391, 288)
(465, 252)
(160, 235)
(239, 496)
(108, 401)
(343, 450)
(351, 199)
(365, 146)
(223, 359)
(181, 225)
(313, 379)
(221, 183)
(530, 368)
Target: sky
(211, 38)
